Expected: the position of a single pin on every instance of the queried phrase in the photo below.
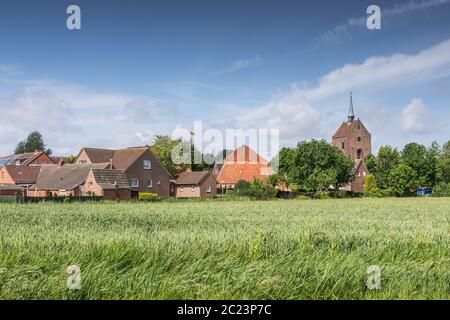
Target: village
(138, 173)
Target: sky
(137, 69)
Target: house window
(150, 183)
(182, 188)
(83, 161)
(193, 188)
(364, 173)
(158, 182)
(147, 164)
(343, 145)
(134, 183)
(90, 185)
(359, 139)
(359, 127)
(17, 162)
(209, 189)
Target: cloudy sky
(137, 69)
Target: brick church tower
(352, 137)
(355, 141)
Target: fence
(59, 199)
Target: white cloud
(343, 30)
(416, 117)
(395, 70)
(241, 64)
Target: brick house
(19, 175)
(354, 140)
(111, 184)
(144, 171)
(197, 184)
(242, 164)
(63, 181)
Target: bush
(149, 197)
(441, 190)
(242, 187)
(323, 195)
(340, 194)
(49, 194)
(303, 197)
(261, 190)
(379, 193)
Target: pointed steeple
(351, 115)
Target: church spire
(351, 115)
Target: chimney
(110, 164)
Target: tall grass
(227, 249)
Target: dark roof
(99, 155)
(67, 177)
(195, 177)
(23, 174)
(346, 127)
(111, 179)
(122, 159)
(10, 187)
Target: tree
(321, 179)
(317, 159)
(162, 147)
(387, 158)
(370, 183)
(371, 163)
(402, 179)
(443, 165)
(415, 156)
(34, 142)
(71, 159)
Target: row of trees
(414, 166)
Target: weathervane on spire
(351, 115)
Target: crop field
(291, 249)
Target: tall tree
(415, 156)
(34, 142)
(443, 165)
(162, 147)
(315, 164)
(402, 179)
(387, 158)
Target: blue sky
(137, 69)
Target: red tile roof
(243, 164)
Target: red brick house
(63, 181)
(20, 175)
(354, 140)
(197, 184)
(242, 164)
(144, 171)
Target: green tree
(321, 179)
(402, 179)
(416, 156)
(387, 158)
(34, 142)
(443, 165)
(371, 163)
(71, 159)
(370, 183)
(162, 147)
(317, 161)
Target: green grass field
(227, 249)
